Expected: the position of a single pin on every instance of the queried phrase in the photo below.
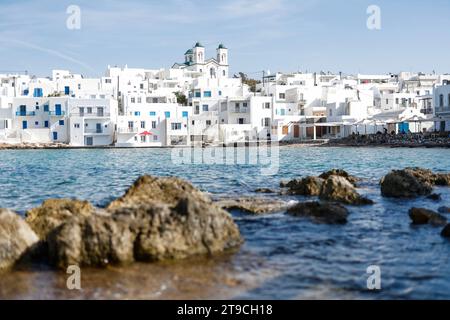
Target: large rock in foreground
(407, 183)
(53, 212)
(16, 237)
(337, 188)
(151, 222)
(341, 173)
(330, 213)
(425, 216)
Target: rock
(148, 189)
(341, 173)
(434, 197)
(16, 237)
(309, 186)
(337, 188)
(54, 212)
(446, 231)
(444, 210)
(265, 190)
(407, 183)
(253, 205)
(425, 216)
(330, 213)
(151, 222)
(442, 179)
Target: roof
(198, 45)
(189, 51)
(222, 46)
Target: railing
(91, 115)
(240, 110)
(443, 109)
(25, 114)
(128, 130)
(94, 131)
(57, 114)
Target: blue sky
(275, 35)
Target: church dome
(222, 46)
(198, 45)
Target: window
(135, 138)
(282, 96)
(207, 94)
(142, 124)
(205, 107)
(61, 122)
(387, 101)
(208, 122)
(245, 104)
(167, 114)
(130, 124)
(220, 93)
(185, 114)
(155, 138)
(137, 113)
(46, 124)
(81, 111)
(152, 113)
(37, 107)
(46, 108)
(441, 100)
(143, 138)
(36, 123)
(153, 124)
(396, 101)
(139, 100)
(107, 80)
(142, 87)
(193, 122)
(241, 121)
(266, 105)
(266, 122)
(76, 125)
(133, 100)
(198, 94)
(89, 110)
(176, 126)
(79, 86)
(282, 112)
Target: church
(194, 60)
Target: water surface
(283, 257)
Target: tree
(248, 81)
(181, 98)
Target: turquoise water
(305, 259)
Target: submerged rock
(337, 188)
(341, 173)
(151, 222)
(407, 183)
(442, 179)
(444, 210)
(16, 237)
(54, 212)
(446, 231)
(330, 213)
(309, 186)
(435, 197)
(265, 190)
(253, 205)
(425, 216)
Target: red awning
(145, 133)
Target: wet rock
(444, 210)
(148, 189)
(434, 197)
(309, 186)
(442, 179)
(253, 205)
(337, 188)
(341, 173)
(446, 231)
(157, 219)
(16, 237)
(425, 216)
(407, 183)
(54, 212)
(265, 190)
(330, 213)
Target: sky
(270, 35)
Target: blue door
(23, 111)
(37, 92)
(55, 135)
(58, 109)
(45, 124)
(24, 125)
(99, 127)
(403, 127)
(66, 90)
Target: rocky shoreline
(168, 219)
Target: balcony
(95, 131)
(240, 110)
(91, 115)
(128, 130)
(25, 114)
(442, 109)
(56, 114)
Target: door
(98, 128)
(66, 90)
(89, 141)
(23, 110)
(55, 135)
(296, 131)
(46, 124)
(24, 125)
(442, 127)
(285, 130)
(57, 109)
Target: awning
(146, 133)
